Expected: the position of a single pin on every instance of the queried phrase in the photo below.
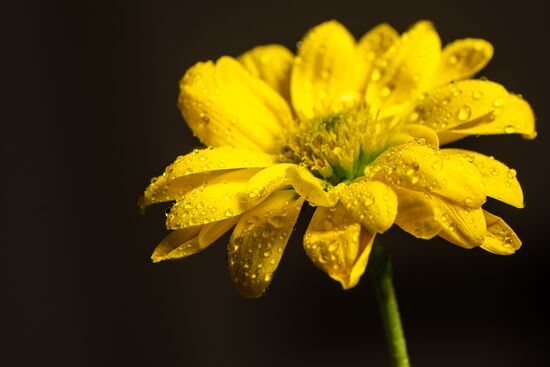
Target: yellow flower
(354, 128)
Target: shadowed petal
(500, 238)
(226, 106)
(462, 59)
(272, 64)
(259, 240)
(338, 245)
(324, 72)
(188, 241)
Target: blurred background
(91, 117)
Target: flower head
(353, 128)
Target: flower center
(338, 147)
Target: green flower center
(338, 147)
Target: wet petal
(371, 203)
(418, 167)
(460, 224)
(188, 241)
(410, 132)
(193, 169)
(259, 240)
(220, 198)
(417, 214)
(474, 107)
(338, 245)
(226, 106)
(313, 189)
(406, 69)
(500, 238)
(178, 244)
(462, 59)
(372, 45)
(272, 64)
(323, 73)
(265, 182)
(501, 182)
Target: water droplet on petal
(464, 113)
(509, 129)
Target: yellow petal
(371, 203)
(418, 167)
(501, 182)
(417, 214)
(226, 106)
(188, 241)
(313, 189)
(461, 225)
(265, 182)
(272, 64)
(474, 107)
(220, 198)
(500, 238)
(373, 45)
(462, 59)
(178, 244)
(337, 244)
(410, 132)
(259, 240)
(324, 71)
(406, 69)
(193, 169)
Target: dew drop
(228, 213)
(464, 113)
(369, 200)
(509, 129)
(499, 102)
(494, 172)
(478, 94)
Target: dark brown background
(90, 116)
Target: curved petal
(373, 45)
(406, 69)
(323, 74)
(265, 182)
(188, 241)
(193, 169)
(338, 245)
(462, 59)
(226, 106)
(259, 240)
(501, 182)
(272, 64)
(313, 189)
(410, 132)
(474, 107)
(500, 238)
(417, 214)
(418, 167)
(371, 203)
(461, 225)
(220, 198)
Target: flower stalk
(381, 272)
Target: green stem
(381, 273)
